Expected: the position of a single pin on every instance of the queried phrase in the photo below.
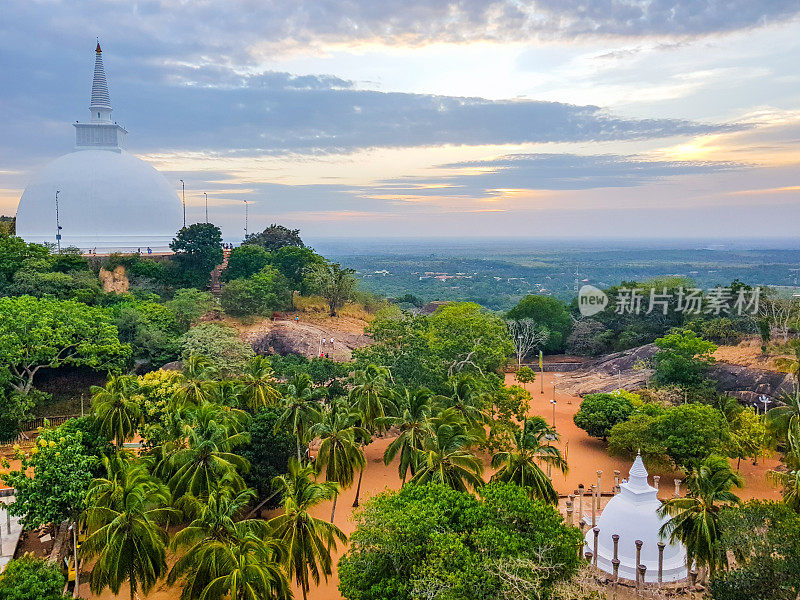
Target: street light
(245, 218)
(58, 224)
(553, 402)
(183, 200)
(206, 195)
(74, 531)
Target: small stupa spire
(637, 477)
(100, 105)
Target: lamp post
(74, 529)
(58, 224)
(206, 195)
(245, 218)
(183, 201)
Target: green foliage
(36, 333)
(548, 313)
(694, 520)
(525, 375)
(189, 304)
(600, 412)
(219, 344)
(275, 237)
(31, 578)
(55, 489)
(38, 280)
(245, 261)
(198, 249)
(764, 538)
(683, 434)
(333, 283)
(15, 407)
(118, 408)
(14, 253)
(261, 294)
(426, 538)
(268, 452)
(151, 329)
(294, 263)
(682, 358)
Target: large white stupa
(633, 515)
(100, 196)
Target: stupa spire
(100, 105)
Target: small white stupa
(633, 515)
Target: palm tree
(789, 480)
(198, 382)
(300, 410)
(467, 400)
(340, 452)
(445, 457)
(125, 518)
(117, 407)
(369, 398)
(308, 540)
(259, 384)
(226, 556)
(414, 425)
(520, 465)
(695, 519)
(207, 459)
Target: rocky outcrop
(114, 281)
(289, 337)
(630, 370)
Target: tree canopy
(547, 313)
(198, 249)
(275, 237)
(37, 333)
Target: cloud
(507, 175)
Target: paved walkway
(10, 532)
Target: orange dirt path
(585, 456)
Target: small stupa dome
(633, 515)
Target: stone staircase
(216, 284)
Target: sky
(410, 118)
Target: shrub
(31, 578)
(268, 452)
(264, 292)
(600, 412)
(220, 344)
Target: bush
(245, 261)
(682, 358)
(263, 293)
(220, 344)
(429, 537)
(189, 304)
(31, 578)
(600, 412)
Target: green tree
(275, 237)
(445, 457)
(525, 375)
(189, 304)
(467, 399)
(261, 294)
(198, 379)
(691, 432)
(520, 465)
(38, 333)
(340, 452)
(414, 408)
(245, 261)
(14, 253)
(430, 538)
(117, 407)
(600, 412)
(748, 435)
(258, 384)
(207, 458)
(294, 263)
(789, 480)
(126, 516)
(333, 283)
(198, 249)
(300, 410)
(549, 314)
(268, 452)
(227, 557)
(764, 539)
(694, 520)
(221, 345)
(683, 358)
(52, 480)
(309, 541)
(31, 578)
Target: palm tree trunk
(333, 510)
(299, 458)
(358, 488)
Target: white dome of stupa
(101, 196)
(633, 515)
